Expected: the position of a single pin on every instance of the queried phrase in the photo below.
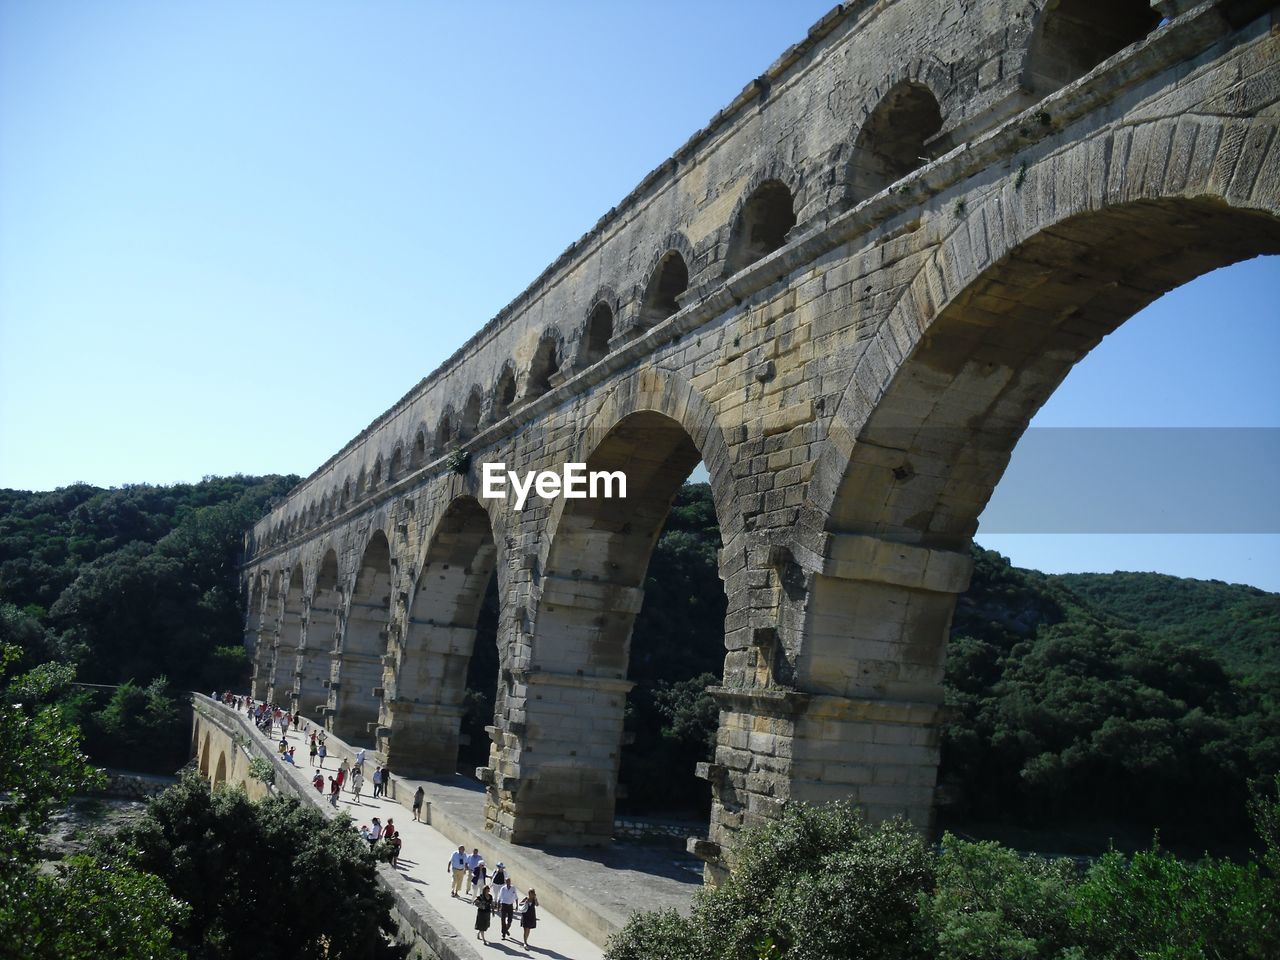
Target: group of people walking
(490, 895)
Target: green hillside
(1240, 623)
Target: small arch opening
(762, 225)
(595, 345)
(444, 432)
(505, 395)
(1074, 36)
(396, 467)
(419, 454)
(671, 278)
(470, 421)
(546, 363)
(892, 141)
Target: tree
(275, 875)
(91, 907)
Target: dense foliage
(1065, 713)
(818, 882)
(274, 875)
(133, 583)
(90, 908)
(203, 875)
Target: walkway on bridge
(584, 895)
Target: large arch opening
(426, 698)
(263, 655)
(894, 138)
(284, 663)
(358, 663)
(582, 655)
(220, 772)
(1074, 36)
(926, 461)
(204, 756)
(761, 226)
(314, 660)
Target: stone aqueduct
(846, 296)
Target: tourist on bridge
(374, 833)
(473, 861)
(507, 898)
(318, 782)
(321, 752)
(479, 878)
(458, 867)
(377, 783)
(417, 804)
(529, 913)
(344, 768)
(342, 776)
(484, 911)
(357, 781)
(334, 789)
(314, 750)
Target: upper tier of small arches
(906, 123)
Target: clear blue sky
(232, 234)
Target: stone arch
(445, 433)
(598, 331)
(544, 366)
(896, 137)
(345, 497)
(292, 613)
(504, 394)
(220, 771)
(762, 218)
(268, 625)
(655, 429)
(668, 277)
(424, 706)
(929, 419)
(204, 755)
(375, 475)
(320, 638)
(1071, 37)
(395, 467)
(469, 422)
(419, 455)
(358, 668)
(362, 483)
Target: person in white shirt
(458, 865)
(473, 861)
(507, 899)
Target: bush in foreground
(819, 882)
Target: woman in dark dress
(529, 919)
(484, 910)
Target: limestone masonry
(847, 296)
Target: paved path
(423, 862)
